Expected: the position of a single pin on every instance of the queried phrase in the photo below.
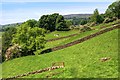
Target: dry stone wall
(35, 72)
(84, 38)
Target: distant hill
(70, 16)
(12, 24)
(2, 27)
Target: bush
(85, 28)
(61, 27)
(30, 39)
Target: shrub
(85, 28)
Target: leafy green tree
(82, 22)
(32, 23)
(61, 24)
(43, 23)
(100, 19)
(48, 22)
(30, 39)
(51, 22)
(68, 23)
(113, 10)
(96, 17)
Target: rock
(104, 59)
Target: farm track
(54, 39)
(82, 39)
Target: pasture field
(81, 60)
(61, 34)
(70, 39)
(67, 40)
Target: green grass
(81, 60)
(61, 34)
(67, 40)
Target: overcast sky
(13, 11)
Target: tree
(50, 22)
(42, 23)
(83, 21)
(61, 24)
(32, 23)
(96, 17)
(31, 40)
(68, 23)
(113, 10)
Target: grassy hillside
(82, 60)
(61, 34)
(80, 35)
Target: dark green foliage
(68, 23)
(6, 39)
(42, 23)
(49, 22)
(79, 21)
(32, 23)
(61, 24)
(99, 19)
(96, 17)
(82, 22)
(113, 10)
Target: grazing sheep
(56, 35)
